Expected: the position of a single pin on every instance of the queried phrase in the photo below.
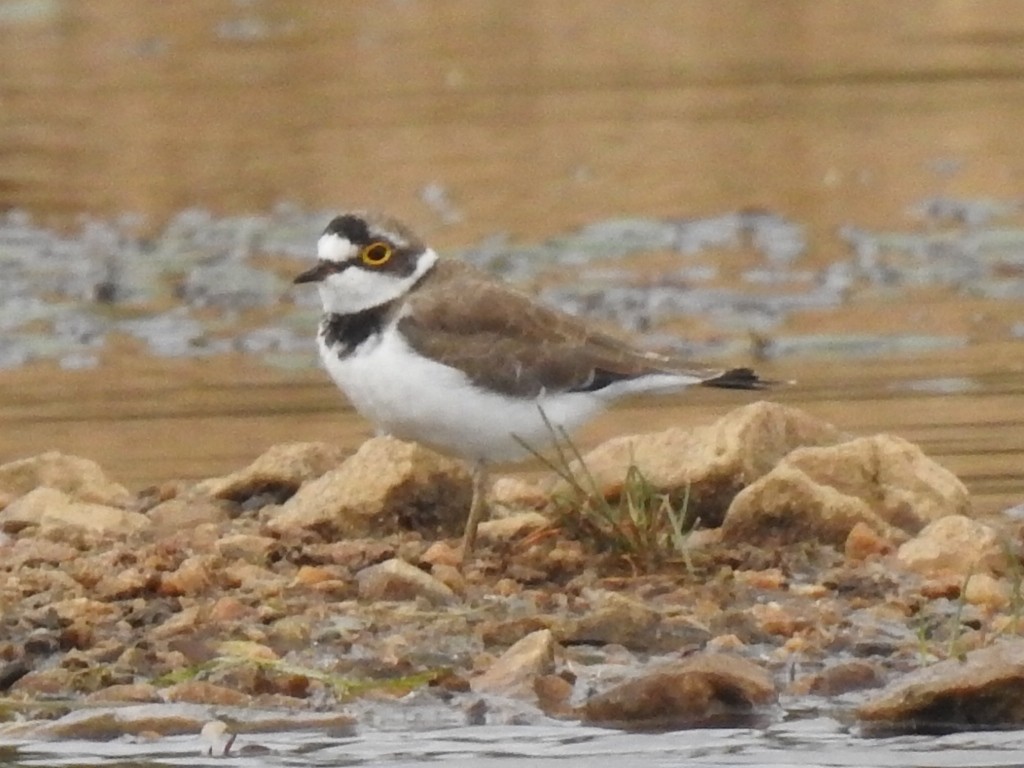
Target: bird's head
(366, 260)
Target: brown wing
(504, 340)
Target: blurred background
(829, 190)
(533, 116)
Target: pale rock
(81, 479)
(714, 462)
(398, 580)
(987, 591)
(516, 670)
(822, 493)
(180, 513)
(50, 508)
(387, 485)
(517, 493)
(955, 543)
(121, 585)
(247, 650)
(83, 609)
(280, 470)
(255, 577)
(512, 527)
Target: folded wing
(503, 340)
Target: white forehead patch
(356, 289)
(335, 248)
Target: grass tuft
(642, 525)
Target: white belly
(414, 398)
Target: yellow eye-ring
(376, 254)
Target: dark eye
(376, 254)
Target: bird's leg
(477, 508)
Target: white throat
(359, 288)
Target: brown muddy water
(147, 421)
(475, 117)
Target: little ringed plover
(438, 352)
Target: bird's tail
(738, 378)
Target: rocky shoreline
(720, 575)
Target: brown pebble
(441, 553)
(946, 584)
(863, 542)
(244, 546)
(769, 578)
(507, 587)
(308, 575)
(192, 577)
(199, 692)
(126, 692)
(842, 678)
(553, 694)
(451, 576)
(228, 609)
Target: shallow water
(148, 421)
(805, 743)
(869, 130)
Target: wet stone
(980, 692)
(516, 671)
(701, 690)
(12, 672)
(840, 678)
(553, 695)
(614, 619)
